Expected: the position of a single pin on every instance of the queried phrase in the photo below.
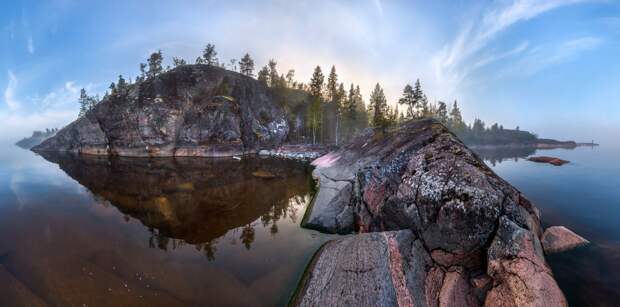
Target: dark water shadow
(196, 200)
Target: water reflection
(495, 155)
(194, 200)
(152, 232)
(583, 196)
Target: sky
(548, 66)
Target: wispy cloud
(65, 96)
(519, 49)
(30, 45)
(451, 65)
(9, 92)
(379, 7)
(542, 57)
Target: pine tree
(142, 72)
(176, 62)
(379, 107)
(199, 60)
(233, 64)
(442, 112)
(316, 82)
(121, 86)
(274, 77)
(209, 55)
(421, 106)
(84, 103)
(340, 97)
(456, 119)
(408, 99)
(154, 62)
(332, 85)
(263, 75)
(246, 65)
(316, 89)
(290, 78)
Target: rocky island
(192, 110)
(434, 226)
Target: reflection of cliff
(193, 199)
(499, 154)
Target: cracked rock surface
(192, 110)
(476, 237)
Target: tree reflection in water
(197, 201)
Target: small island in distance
(36, 138)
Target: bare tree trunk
(337, 128)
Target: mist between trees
(324, 110)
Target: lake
(93, 231)
(584, 196)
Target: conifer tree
(421, 106)
(408, 100)
(263, 75)
(316, 82)
(274, 77)
(209, 55)
(142, 71)
(442, 112)
(121, 85)
(154, 63)
(456, 119)
(332, 85)
(176, 62)
(84, 103)
(246, 65)
(379, 107)
(316, 89)
(290, 78)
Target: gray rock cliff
(192, 110)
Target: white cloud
(64, 96)
(9, 92)
(451, 64)
(519, 49)
(53, 110)
(30, 45)
(542, 57)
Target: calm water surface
(584, 196)
(92, 231)
(88, 231)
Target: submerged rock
(550, 160)
(558, 239)
(192, 110)
(517, 265)
(263, 174)
(420, 180)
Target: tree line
(323, 110)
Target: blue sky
(549, 66)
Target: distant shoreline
(542, 145)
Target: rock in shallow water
(550, 160)
(464, 218)
(558, 239)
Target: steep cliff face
(192, 110)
